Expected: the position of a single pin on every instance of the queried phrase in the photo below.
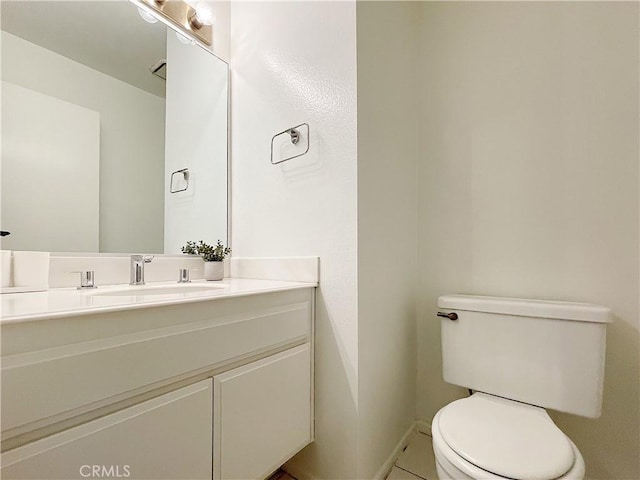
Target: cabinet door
(262, 414)
(168, 437)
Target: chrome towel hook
(295, 136)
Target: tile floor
(416, 462)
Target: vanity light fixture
(191, 19)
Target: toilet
(517, 357)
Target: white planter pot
(213, 270)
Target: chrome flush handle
(450, 316)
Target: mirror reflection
(103, 116)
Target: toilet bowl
(488, 437)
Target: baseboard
(423, 426)
(297, 474)
(391, 460)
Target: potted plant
(212, 256)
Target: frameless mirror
(114, 131)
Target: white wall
(50, 149)
(221, 26)
(195, 138)
(387, 227)
(295, 62)
(529, 184)
(131, 140)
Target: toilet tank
(545, 353)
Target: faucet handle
(87, 278)
(184, 276)
(142, 258)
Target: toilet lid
(507, 438)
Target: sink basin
(135, 290)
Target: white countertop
(66, 302)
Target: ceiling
(108, 36)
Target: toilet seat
(484, 436)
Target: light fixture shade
(205, 13)
(184, 39)
(146, 16)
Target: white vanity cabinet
(219, 389)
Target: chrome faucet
(136, 276)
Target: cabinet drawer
(168, 437)
(262, 414)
